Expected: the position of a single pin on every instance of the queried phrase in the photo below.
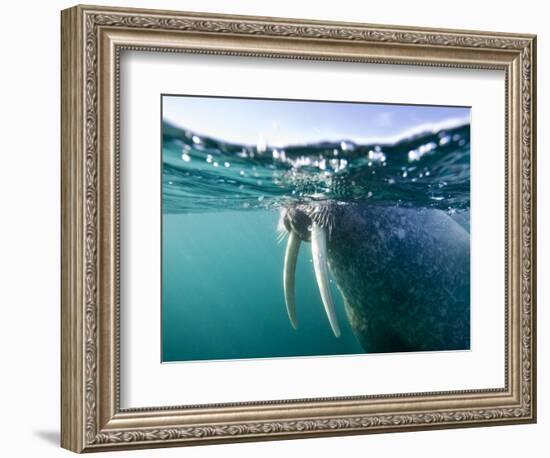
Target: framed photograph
(277, 228)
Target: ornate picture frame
(93, 39)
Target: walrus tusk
(320, 265)
(289, 273)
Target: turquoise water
(222, 292)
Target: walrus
(404, 273)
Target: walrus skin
(404, 274)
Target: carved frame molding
(92, 40)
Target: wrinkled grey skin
(404, 275)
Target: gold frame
(92, 39)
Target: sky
(281, 123)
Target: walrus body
(404, 273)
(405, 277)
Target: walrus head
(311, 222)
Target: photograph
(307, 228)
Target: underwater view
(312, 228)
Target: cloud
(385, 119)
(435, 127)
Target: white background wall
(29, 227)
